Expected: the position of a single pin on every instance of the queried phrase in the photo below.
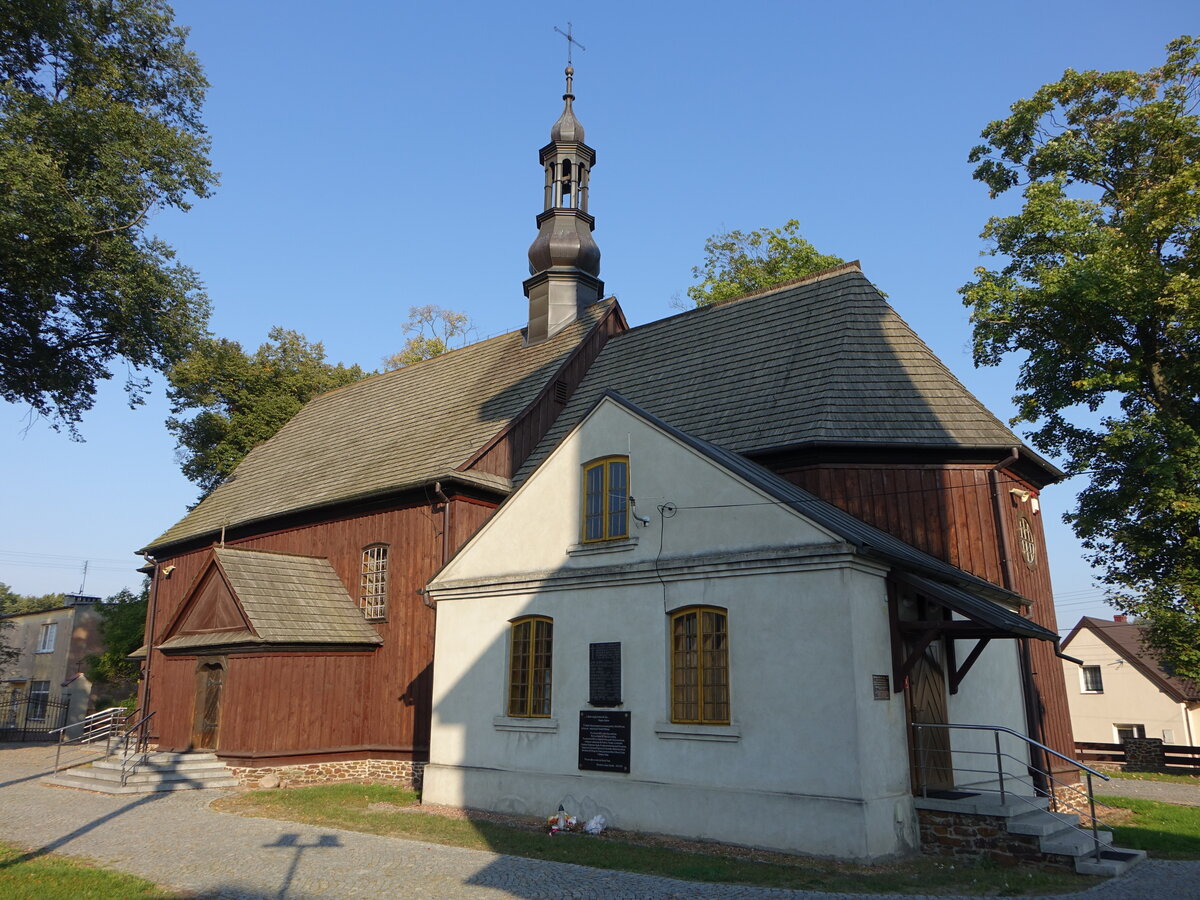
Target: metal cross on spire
(570, 40)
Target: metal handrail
(1024, 737)
(140, 727)
(98, 725)
(999, 770)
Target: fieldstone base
(973, 836)
(401, 772)
(1144, 755)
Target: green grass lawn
(24, 876)
(1152, 776)
(379, 809)
(1165, 830)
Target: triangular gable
(210, 606)
(1125, 639)
(538, 527)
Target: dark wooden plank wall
(948, 511)
(380, 699)
(513, 446)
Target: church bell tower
(564, 261)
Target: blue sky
(384, 155)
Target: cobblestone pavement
(1163, 791)
(175, 840)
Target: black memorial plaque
(604, 740)
(605, 674)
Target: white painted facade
(811, 762)
(1128, 698)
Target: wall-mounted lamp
(167, 570)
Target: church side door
(210, 682)
(930, 757)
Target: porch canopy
(251, 599)
(983, 621)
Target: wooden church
(290, 627)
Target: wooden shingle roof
(287, 599)
(823, 361)
(386, 433)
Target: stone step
(149, 772)
(1070, 842)
(1113, 861)
(1041, 822)
(64, 779)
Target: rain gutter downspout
(1033, 710)
(441, 495)
(150, 560)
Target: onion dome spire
(564, 261)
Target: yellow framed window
(606, 499)
(700, 666)
(531, 646)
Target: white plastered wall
(810, 763)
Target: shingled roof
(287, 599)
(822, 361)
(388, 432)
(1125, 638)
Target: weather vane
(570, 40)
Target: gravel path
(1163, 791)
(177, 841)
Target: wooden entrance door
(210, 681)
(930, 757)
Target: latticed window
(1093, 680)
(1026, 541)
(606, 499)
(529, 667)
(700, 666)
(373, 585)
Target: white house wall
(1129, 698)
(811, 761)
(990, 694)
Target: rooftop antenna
(570, 40)
(83, 583)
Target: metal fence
(31, 718)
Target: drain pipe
(1033, 706)
(441, 495)
(150, 617)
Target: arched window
(606, 499)
(530, 667)
(373, 583)
(700, 666)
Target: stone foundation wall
(1144, 755)
(969, 836)
(401, 772)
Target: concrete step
(1041, 822)
(1113, 861)
(1070, 842)
(64, 779)
(149, 772)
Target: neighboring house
(1121, 691)
(725, 663)
(45, 687)
(371, 489)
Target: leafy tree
(1099, 291)
(123, 629)
(12, 603)
(431, 332)
(737, 263)
(99, 128)
(240, 400)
